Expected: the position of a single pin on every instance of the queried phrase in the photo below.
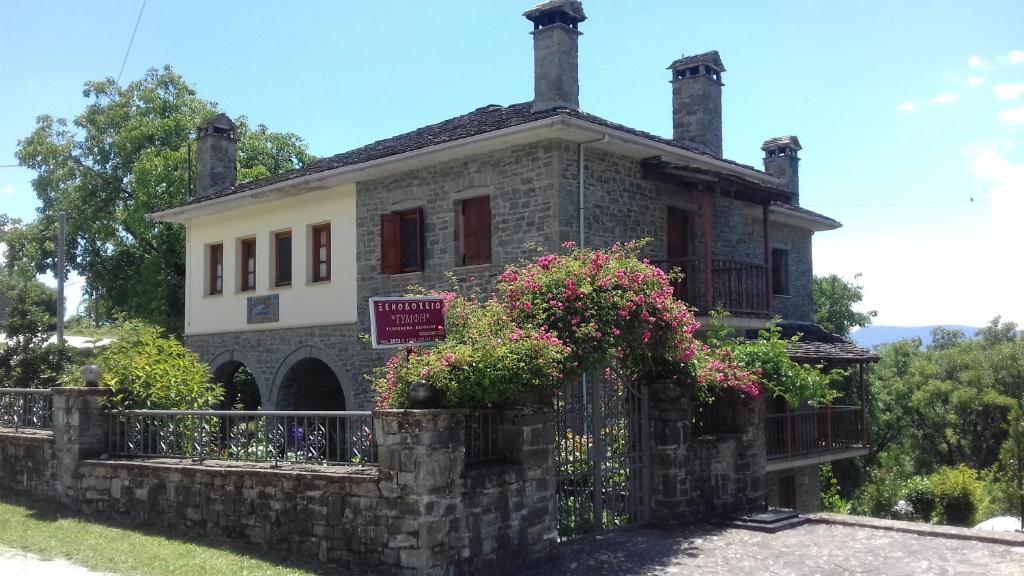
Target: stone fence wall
(422, 510)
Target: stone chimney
(781, 161)
(697, 101)
(216, 155)
(556, 79)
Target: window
(401, 241)
(780, 272)
(248, 265)
(321, 252)
(475, 241)
(216, 272)
(283, 258)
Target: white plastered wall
(304, 303)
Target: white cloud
(975, 80)
(976, 62)
(944, 98)
(1008, 91)
(1015, 56)
(907, 106)
(8, 190)
(1012, 116)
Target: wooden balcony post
(828, 427)
(705, 216)
(789, 431)
(767, 262)
(863, 407)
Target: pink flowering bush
(613, 309)
(486, 360)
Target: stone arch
(321, 377)
(225, 366)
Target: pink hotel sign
(406, 321)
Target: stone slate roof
(778, 141)
(711, 58)
(805, 212)
(485, 119)
(573, 8)
(817, 345)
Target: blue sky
(907, 110)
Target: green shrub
(150, 371)
(920, 494)
(881, 493)
(957, 492)
(831, 501)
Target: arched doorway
(240, 389)
(310, 384)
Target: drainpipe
(579, 154)
(583, 238)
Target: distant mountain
(872, 336)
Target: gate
(602, 454)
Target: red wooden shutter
(390, 243)
(476, 231)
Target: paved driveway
(807, 550)
(15, 563)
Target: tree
(834, 301)
(27, 360)
(125, 156)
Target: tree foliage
(834, 302)
(951, 413)
(27, 359)
(125, 156)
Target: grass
(49, 533)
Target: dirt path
(18, 563)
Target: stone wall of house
(806, 483)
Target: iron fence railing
(26, 408)
(812, 431)
(246, 436)
(483, 438)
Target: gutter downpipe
(583, 234)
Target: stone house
(280, 270)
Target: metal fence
(245, 436)
(26, 408)
(483, 438)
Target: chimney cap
(711, 59)
(782, 142)
(571, 10)
(217, 124)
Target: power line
(130, 42)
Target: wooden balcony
(739, 288)
(815, 436)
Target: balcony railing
(736, 287)
(809, 432)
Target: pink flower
(647, 336)
(569, 245)
(516, 335)
(545, 261)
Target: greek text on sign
(403, 321)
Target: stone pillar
(669, 436)
(751, 453)
(80, 432)
(529, 434)
(421, 457)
